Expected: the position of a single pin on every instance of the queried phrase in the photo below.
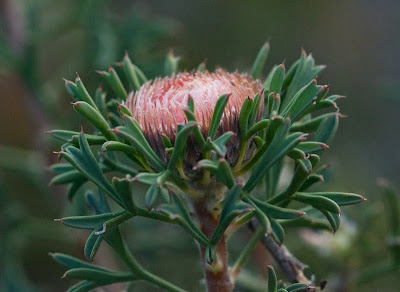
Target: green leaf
(95, 118)
(297, 154)
(72, 262)
(123, 188)
(171, 64)
(83, 93)
(83, 286)
(305, 164)
(140, 142)
(115, 83)
(254, 110)
(305, 71)
(74, 187)
(321, 105)
(220, 169)
(219, 144)
(217, 115)
(326, 130)
(324, 92)
(310, 125)
(273, 177)
(153, 193)
(151, 196)
(276, 212)
(123, 110)
(118, 146)
(84, 161)
(274, 103)
(334, 219)
(180, 144)
(112, 163)
(310, 181)
(314, 159)
(72, 89)
(90, 222)
(100, 101)
(179, 212)
(260, 61)
(130, 73)
(298, 287)
(290, 74)
(189, 112)
(73, 137)
(301, 100)
(147, 178)
(342, 199)
(278, 233)
(305, 222)
(230, 210)
(99, 276)
(274, 81)
(279, 147)
(310, 147)
(92, 244)
(61, 167)
(244, 116)
(318, 202)
(210, 254)
(259, 126)
(67, 177)
(274, 124)
(272, 280)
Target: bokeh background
(43, 41)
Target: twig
(292, 267)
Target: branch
(292, 267)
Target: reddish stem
(217, 278)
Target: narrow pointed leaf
(301, 100)
(342, 199)
(274, 81)
(260, 61)
(92, 244)
(180, 144)
(272, 279)
(276, 212)
(95, 118)
(83, 93)
(217, 115)
(318, 202)
(90, 222)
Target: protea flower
(191, 137)
(159, 107)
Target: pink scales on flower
(158, 105)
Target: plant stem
(292, 267)
(217, 274)
(141, 273)
(245, 254)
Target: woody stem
(217, 274)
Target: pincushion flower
(191, 137)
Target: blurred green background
(43, 41)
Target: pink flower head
(158, 105)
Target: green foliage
(290, 110)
